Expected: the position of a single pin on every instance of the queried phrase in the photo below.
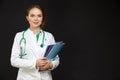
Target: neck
(35, 30)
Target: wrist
(51, 65)
(37, 63)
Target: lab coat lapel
(35, 46)
(32, 43)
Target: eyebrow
(35, 14)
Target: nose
(36, 18)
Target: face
(35, 18)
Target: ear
(27, 18)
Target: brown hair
(35, 6)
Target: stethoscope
(23, 43)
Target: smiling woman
(34, 15)
(29, 47)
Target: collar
(31, 32)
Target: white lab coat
(27, 64)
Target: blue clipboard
(53, 50)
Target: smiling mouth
(35, 22)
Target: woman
(29, 47)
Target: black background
(90, 29)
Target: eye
(39, 15)
(32, 15)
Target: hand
(41, 62)
(47, 66)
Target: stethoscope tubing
(23, 44)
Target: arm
(15, 59)
(50, 65)
(56, 61)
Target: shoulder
(18, 34)
(49, 38)
(48, 34)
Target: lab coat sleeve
(56, 61)
(18, 62)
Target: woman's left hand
(48, 65)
